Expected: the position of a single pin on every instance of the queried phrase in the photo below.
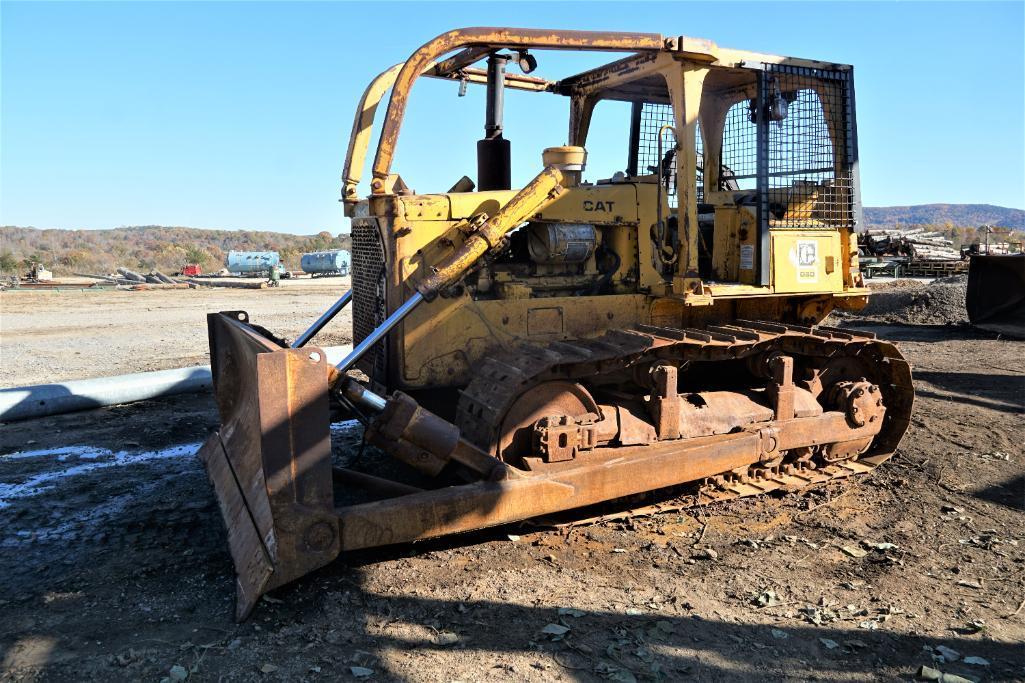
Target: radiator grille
(368, 295)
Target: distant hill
(967, 215)
(148, 247)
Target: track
(508, 373)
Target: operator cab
(770, 150)
(752, 152)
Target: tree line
(961, 235)
(162, 248)
(146, 248)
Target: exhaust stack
(494, 158)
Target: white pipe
(40, 400)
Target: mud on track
(115, 568)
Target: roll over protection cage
(476, 43)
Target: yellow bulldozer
(525, 351)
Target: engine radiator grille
(369, 307)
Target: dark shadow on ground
(916, 333)
(996, 391)
(603, 645)
(1010, 493)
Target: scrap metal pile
(916, 252)
(158, 280)
(125, 276)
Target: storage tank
(336, 261)
(251, 262)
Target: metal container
(325, 262)
(551, 243)
(251, 262)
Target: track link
(505, 374)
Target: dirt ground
(114, 562)
(48, 336)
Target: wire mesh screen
(808, 128)
(368, 289)
(652, 117)
(738, 158)
(699, 154)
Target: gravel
(912, 302)
(59, 336)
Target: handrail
(660, 227)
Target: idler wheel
(545, 400)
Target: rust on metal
(514, 373)
(533, 198)
(513, 81)
(387, 488)
(359, 139)
(366, 111)
(619, 473)
(426, 442)
(459, 61)
(279, 503)
(270, 462)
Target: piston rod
(358, 394)
(382, 329)
(323, 320)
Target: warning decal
(747, 257)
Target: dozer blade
(996, 293)
(270, 462)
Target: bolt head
(319, 536)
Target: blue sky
(236, 115)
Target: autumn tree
(196, 254)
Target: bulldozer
(525, 351)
